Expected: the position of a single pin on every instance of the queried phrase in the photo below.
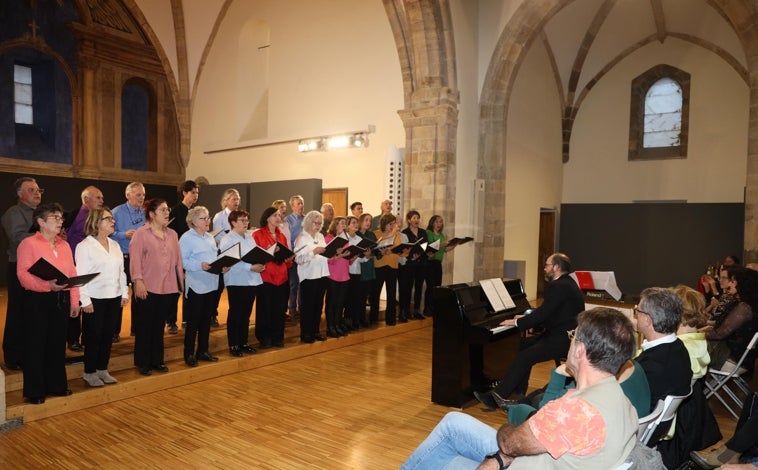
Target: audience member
(103, 297)
(17, 222)
(664, 357)
(597, 425)
(295, 224)
(128, 217)
(562, 302)
(47, 304)
(155, 263)
(742, 447)
(723, 298)
(242, 282)
(733, 330)
(92, 198)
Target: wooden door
(338, 198)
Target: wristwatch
(496, 456)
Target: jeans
(459, 441)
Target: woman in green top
(434, 267)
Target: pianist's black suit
(562, 302)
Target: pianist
(593, 427)
(562, 302)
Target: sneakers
(716, 458)
(93, 380)
(106, 377)
(173, 329)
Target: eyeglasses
(35, 190)
(571, 334)
(110, 218)
(57, 218)
(163, 209)
(203, 218)
(244, 221)
(318, 223)
(637, 311)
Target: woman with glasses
(103, 297)
(47, 306)
(242, 283)
(386, 264)
(198, 252)
(155, 263)
(313, 271)
(274, 292)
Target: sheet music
(497, 295)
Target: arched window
(659, 118)
(138, 133)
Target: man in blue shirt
(295, 222)
(128, 217)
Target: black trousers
(386, 275)
(149, 321)
(269, 312)
(336, 297)
(98, 336)
(241, 300)
(44, 336)
(312, 298)
(198, 311)
(411, 277)
(120, 315)
(533, 350)
(13, 339)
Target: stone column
(431, 124)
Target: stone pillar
(751, 179)
(431, 124)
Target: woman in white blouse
(103, 297)
(313, 270)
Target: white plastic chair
(646, 421)
(668, 408)
(719, 380)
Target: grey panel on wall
(256, 197)
(651, 244)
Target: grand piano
(467, 337)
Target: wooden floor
(362, 401)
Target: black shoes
(65, 393)
(116, 339)
(319, 337)
(403, 318)
(418, 316)
(161, 368)
(190, 361)
(308, 339)
(278, 344)
(332, 333)
(265, 345)
(13, 366)
(248, 349)
(487, 399)
(75, 346)
(504, 403)
(34, 400)
(214, 321)
(173, 329)
(236, 351)
(206, 356)
(146, 371)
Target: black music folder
(459, 241)
(333, 246)
(43, 269)
(259, 256)
(226, 258)
(417, 247)
(282, 253)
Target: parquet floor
(364, 406)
